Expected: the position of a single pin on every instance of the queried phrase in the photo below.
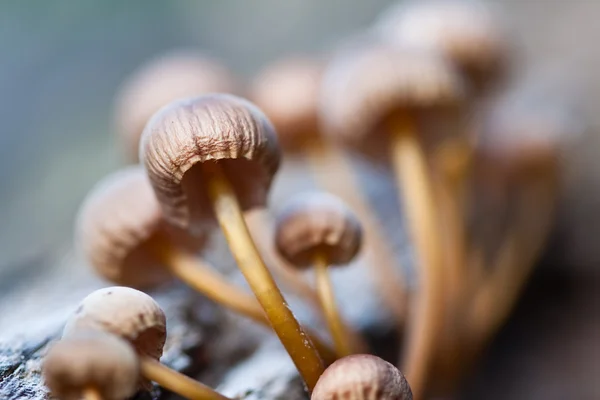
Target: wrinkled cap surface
(317, 223)
(468, 32)
(116, 225)
(172, 76)
(366, 85)
(216, 128)
(362, 377)
(125, 312)
(288, 93)
(95, 360)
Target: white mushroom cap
(317, 223)
(95, 360)
(213, 128)
(125, 312)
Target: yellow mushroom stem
(176, 382)
(416, 189)
(231, 219)
(338, 330)
(204, 279)
(91, 393)
(261, 227)
(333, 173)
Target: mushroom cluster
(425, 95)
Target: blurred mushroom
(137, 318)
(469, 32)
(174, 75)
(318, 230)
(124, 236)
(92, 366)
(288, 93)
(362, 377)
(214, 157)
(379, 91)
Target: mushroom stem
(411, 172)
(325, 158)
(204, 279)
(339, 332)
(286, 327)
(176, 382)
(91, 393)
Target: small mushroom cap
(468, 32)
(213, 128)
(116, 227)
(365, 86)
(169, 77)
(95, 360)
(125, 312)
(362, 377)
(317, 223)
(288, 93)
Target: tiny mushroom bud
(171, 76)
(379, 90)
(318, 230)
(214, 157)
(125, 238)
(137, 318)
(362, 377)
(93, 366)
(468, 32)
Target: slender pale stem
(176, 382)
(261, 229)
(338, 330)
(416, 190)
(230, 217)
(91, 393)
(205, 279)
(333, 173)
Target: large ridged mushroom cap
(175, 75)
(364, 86)
(468, 32)
(362, 377)
(217, 128)
(125, 312)
(117, 224)
(95, 360)
(288, 93)
(317, 223)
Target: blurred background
(62, 61)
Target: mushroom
(214, 157)
(137, 318)
(378, 90)
(318, 230)
(92, 366)
(124, 236)
(176, 74)
(288, 93)
(469, 32)
(362, 377)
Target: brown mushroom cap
(468, 32)
(317, 223)
(125, 312)
(214, 128)
(172, 76)
(95, 360)
(362, 377)
(116, 226)
(288, 93)
(365, 86)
